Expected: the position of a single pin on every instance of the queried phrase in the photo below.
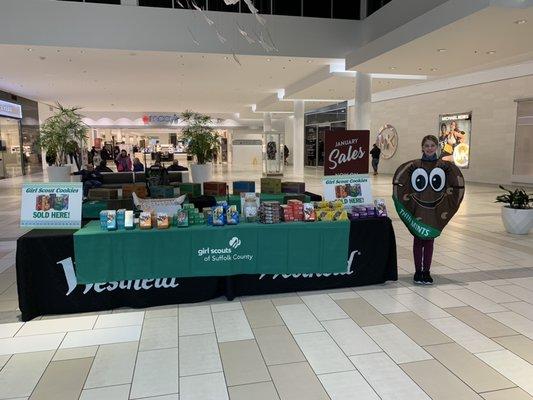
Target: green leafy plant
(517, 198)
(62, 133)
(202, 140)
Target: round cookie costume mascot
(427, 193)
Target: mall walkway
(470, 336)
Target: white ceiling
(147, 81)
(466, 44)
(118, 80)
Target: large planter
(201, 172)
(59, 174)
(517, 221)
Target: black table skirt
(47, 284)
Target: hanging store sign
(346, 152)
(10, 109)
(163, 119)
(51, 205)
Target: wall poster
(454, 138)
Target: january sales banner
(352, 190)
(51, 205)
(346, 152)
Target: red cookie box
(287, 213)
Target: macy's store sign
(163, 119)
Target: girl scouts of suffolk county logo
(235, 242)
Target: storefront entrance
(11, 153)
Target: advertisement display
(454, 138)
(352, 190)
(346, 152)
(51, 205)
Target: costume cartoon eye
(437, 179)
(419, 179)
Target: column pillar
(267, 122)
(298, 138)
(363, 98)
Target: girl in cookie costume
(427, 192)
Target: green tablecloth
(287, 248)
(235, 200)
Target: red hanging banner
(346, 152)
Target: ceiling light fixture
(441, 50)
(82, 51)
(520, 21)
(309, 61)
(491, 52)
(268, 59)
(433, 69)
(393, 68)
(29, 49)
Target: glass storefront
(10, 150)
(317, 124)
(523, 161)
(19, 133)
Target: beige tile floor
(470, 336)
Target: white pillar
(363, 98)
(298, 138)
(267, 122)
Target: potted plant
(202, 143)
(60, 135)
(517, 214)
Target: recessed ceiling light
(226, 58)
(420, 68)
(520, 21)
(490, 52)
(290, 60)
(309, 61)
(70, 60)
(433, 69)
(268, 59)
(29, 49)
(82, 51)
(42, 58)
(58, 50)
(393, 68)
(441, 50)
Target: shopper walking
(137, 165)
(123, 162)
(375, 153)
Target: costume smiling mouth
(427, 204)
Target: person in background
(285, 154)
(137, 165)
(102, 167)
(123, 162)
(375, 153)
(90, 178)
(177, 167)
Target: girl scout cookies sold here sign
(51, 205)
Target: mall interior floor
(470, 336)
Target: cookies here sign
(51, 205)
